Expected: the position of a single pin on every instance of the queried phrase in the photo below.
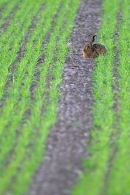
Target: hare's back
(99, 48)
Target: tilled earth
(67, 143)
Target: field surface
(64, 120)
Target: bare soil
(69, 138)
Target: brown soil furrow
(68, 140)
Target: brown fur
(93, 50)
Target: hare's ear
(93, 39)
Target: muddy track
(68, 140)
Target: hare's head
(87, 50)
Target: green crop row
(14, 34)
(97, 164)
(14, 109)
(119, 178)
(23, 77)
(3, 3)
(26, 136)
(7, 10)
(6, 111)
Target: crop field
(34, 37)
(107, 169)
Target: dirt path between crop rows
(68, 140)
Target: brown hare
(93, 50)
